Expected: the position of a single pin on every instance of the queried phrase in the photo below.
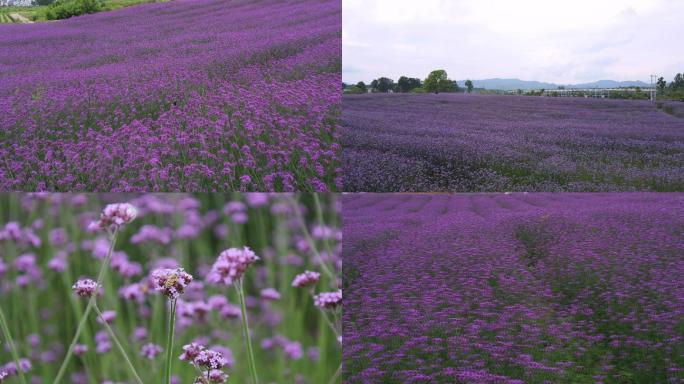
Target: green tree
(403, 84)
(414, 83)
(678, 82)
(660, 85)
(437, 81)
(406, 84)
(362, 86)
(469, 85)
(385, 84)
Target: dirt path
(19, 18)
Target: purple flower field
(514, 288)
(188, 95)
(488, 143)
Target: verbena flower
(191, 351)
(133, 292)
(107, 317)
(102, 342)
(270, 294)
(11, 368)
(150, 351)
(217, 376)
(140, 334)
(328, 299)
(231, 265)
(171, 282)
(80, 349)
(115, 216)
(230, 311)
(85, 287)
(306, 279)
(210, 359)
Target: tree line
(437, 81)
(674, 90)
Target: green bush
(64, 9)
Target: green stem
(200, 373)
(169, 342)
(336, 375)
(13, 349)
(311, 242)
(91, 303)
(321, 222)
(245, 331)
(330, 323)
(118, 345)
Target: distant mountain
(506, 84)
(610, 84)
(509, 84)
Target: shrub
(354, 90)
(64, 9)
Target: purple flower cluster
(209, 361)
(513, 288)
(24, 236)
(10, 369)
(231, 265)
(292, 349)
(115, 216)
(489, 143)
(233, 96)
(328, 299)
(306, 279)
(150, 351)
(85, 287)
(171, 282)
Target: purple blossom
(306, 279)
(270, 294)
(85, 287)
(107, 317)
(80, 349)
(116, 216)
(231, 265)
(328, 299)
(150, 351)
(171, 282)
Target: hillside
(512, 84)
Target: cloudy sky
(556, 41)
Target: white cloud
(563, 42)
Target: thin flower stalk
(111, 333)
(89, 307)
(12, 347)
(169, 342)
(311, 241)
(245, 331)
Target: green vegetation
(672, 91)
(437, 81)
(5, 12)
(64, 9)
(51, 9)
